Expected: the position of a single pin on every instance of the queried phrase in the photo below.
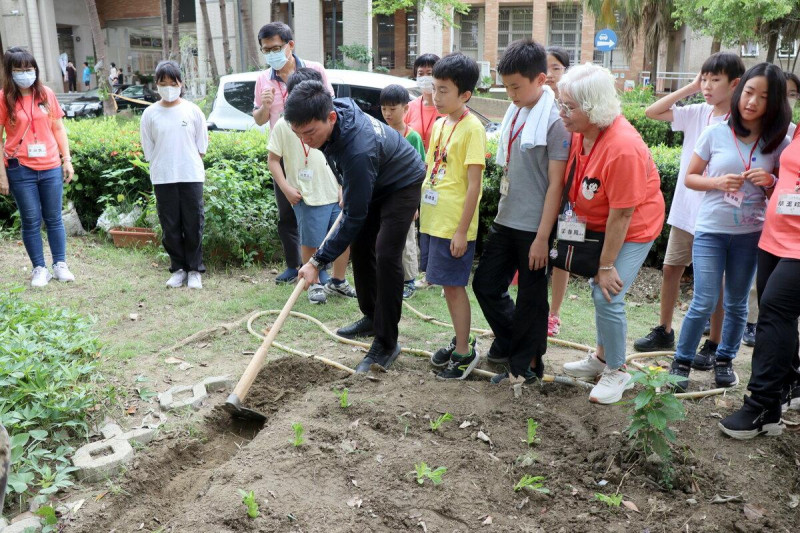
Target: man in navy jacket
(381, 176)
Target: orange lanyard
(441, 155)
(749, 162)
(305, 151)
(512, 137)
(422, 118)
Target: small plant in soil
(435, 424)
(249, 501)
(532, 438)
(344, 402)
(533, 482)
(425, 472)
(613, 500)
(298, 440)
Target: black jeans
(520, 330)
(287, 228)
(775, 356)
(180, 211)
(377, 258)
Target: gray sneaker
(316, 294)
(341, 289)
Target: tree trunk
(176, 15)
(226, 47)
(249, 36)
(716, 45)
(654, 65)
(164, 31)
(212, 58)
(109, 105)
(772, 46)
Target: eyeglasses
(567, 110)
(273, 49)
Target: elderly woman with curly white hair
(615, 190)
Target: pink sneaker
(553, 325)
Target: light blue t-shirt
(716, 145)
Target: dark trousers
(180, 211)
(377, 258)
(520, 330)
(775, 356)
(287, 228)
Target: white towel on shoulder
(534, 133)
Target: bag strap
(568, 186)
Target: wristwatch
(316, 263)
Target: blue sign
(605, 40)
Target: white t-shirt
(172, 140)
(691, 120)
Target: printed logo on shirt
(376, 125)
(184, 123)
(589, 186)
(565, 143)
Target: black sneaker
(530, 377)
(657, 340)
(495, 357)
(752, 420)
(707, 328)
(790, 397)
(378, 355)
(749, 337)
(442, 356)
(724, 376)
(704, 360)
(360, 328)
(680, 369)
(460, 366)
(409, 289)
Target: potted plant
(129, 216)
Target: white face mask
(425, 83)
(24, 79)
(168, 93)
(276, 60)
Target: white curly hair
(595, 91)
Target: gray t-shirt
(522, 207)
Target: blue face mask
(276, 60)
(24, 79)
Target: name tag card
(430, 197)
(571, 229)
(788, 204)
(37, 150)
(306, 174)
(734, 198)
(504, 183)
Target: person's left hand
(309, 273)
(458, 244)
(609, 281)
(69, 172)
(538, 254)
(759, 177)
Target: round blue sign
(605, 40)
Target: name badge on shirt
(306, 174)
(431, 197)
(37, 150)
(571, 228)
(504, 184)
(734, 198)
(788, 204)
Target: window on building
(750, 49)
(470, 36)
(385, 33)
(613, 60)
(787, 48)
(565, 29)
(412, 37)
(513, 23)
(332, 33)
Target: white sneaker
(611, 386)
(590, 368)
(176, 280)
(61, 272)
(40, 277)
(195, 280)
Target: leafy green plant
(48, 517)
(533, 482)
(614, 500)
(424, 472)
(249, 500)
(435, 424)
(532, 438)
(298, 440)
(344, 402)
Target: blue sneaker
(287, 276)
(324, 277)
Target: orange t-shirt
(781, 233)
(41, 130)
(618, 173)
(420, 118)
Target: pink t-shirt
(41, 130)
(781, 233)
(421, 118)
(269, 78)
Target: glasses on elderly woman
(568, 110)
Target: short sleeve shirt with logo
(39, 132)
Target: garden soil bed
(354, 471)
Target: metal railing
(667, 81)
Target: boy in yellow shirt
(449, 209)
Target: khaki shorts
(679, 248)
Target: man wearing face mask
(421, 112)
(277, 44)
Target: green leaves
(298, 440)
(424, 472)
(533, 482)
(435, 424)
(249, 500)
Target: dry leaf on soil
(753, 512)
(630, 505)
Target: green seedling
(424, 471)
(249, 500)
(439, 421)
(344, 402)
(612, 501)
(532, 482)
(298, 435)
(532, 438)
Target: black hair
(425, 60)
(724, 63)
(86, 63)
(308, 101)
(394, 94)
(775, 121)
(114, 65)
(169, 70)
(18, 57)
(275, 28)
(525, 57)
(561, 54)
(300, 75)
(791, 76)
(463, 71)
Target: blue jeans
(38, 195)
(610, 319)
(715, 255)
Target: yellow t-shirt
(467, 147)
(320, 188)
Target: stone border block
(97, 468)
(22, 525)
(219, 382)
(168, 402)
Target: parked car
(137, 92)
(85, 105)
(233, 106)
